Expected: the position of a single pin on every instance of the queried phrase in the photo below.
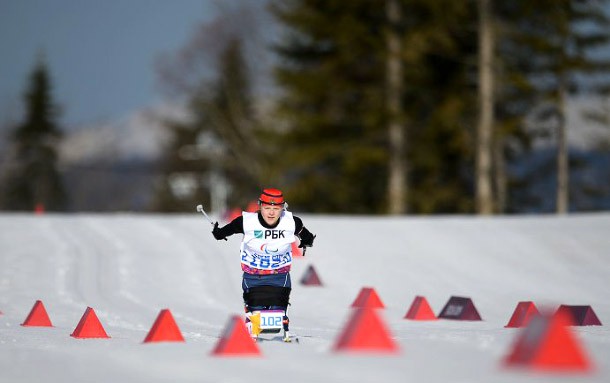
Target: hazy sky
(100, 54)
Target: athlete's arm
(304, 235)
(234, 227)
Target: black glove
(307, 240)
(217, 234)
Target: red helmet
(271, 197)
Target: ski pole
(200, 209)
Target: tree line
(380, 107)
(407, 106)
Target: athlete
(266, 253)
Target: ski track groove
(128, 267)
(92, 275)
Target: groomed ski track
(128, 267)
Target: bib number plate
(271, 319)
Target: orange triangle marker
(89, 326)
(235, 340)
(420, 310)
(523, 314)
(38, 316)
(164, 329)
(311, 278)
(365, 332)
(548, 344)
(368, 298)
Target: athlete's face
(271, 213)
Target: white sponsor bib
(267, 249)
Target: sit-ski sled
(266, 308)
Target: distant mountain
(139, 136)
(114, 166)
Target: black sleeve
(234, 227)
(298, 225)
(301, 231)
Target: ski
(292, 339)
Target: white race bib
(267, 249)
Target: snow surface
(129, 267)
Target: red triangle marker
(365, 332)
(89, 326)
(235, 340)
(38, 316)
(311, 278)
(420, 310)
(523, 313)
(368, 298)
(164, 329)
(548, 344)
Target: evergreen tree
(217, 156)
(515, 94)
(218, 74)
(229, 112)
(440, 103)
(31, 176)
(554, 41)
(181, 185)
(333, 74)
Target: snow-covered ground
(129, 267)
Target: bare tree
(182, 72)
(563, 171)
(220, 75)
(397, 180)
(484, 195)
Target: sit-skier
(266, 254)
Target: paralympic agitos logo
(265, 247)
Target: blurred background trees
(550, 53)
(392, 107)
(220, 156)
(333, 75)
(30, 176)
